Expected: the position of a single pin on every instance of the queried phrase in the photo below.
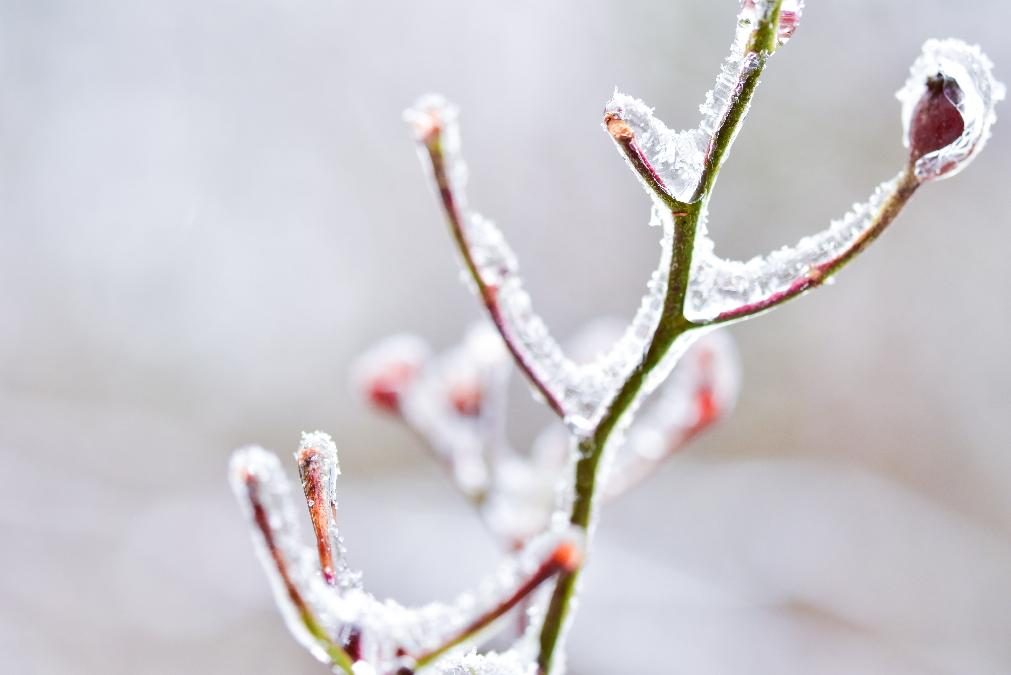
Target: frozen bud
(318, 467)
(753, 11)
(466, 398)
(385, 389)
(475, 368)
(713, 368)
(386, 372)
(433, 119)
(789, 19)
(429, 115)
(568, 556)
(948, 107)
(937, 121)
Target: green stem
(591, 448)
(672, 326)
(338, 657)
(762, 44)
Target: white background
(207, 208)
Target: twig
(904, 188)
(565, 557)
(625, 139)
(671, 328)
(338, 657)
(488, 292)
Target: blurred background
(208, 208)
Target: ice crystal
(676, 156)
(582, 389)
(386, 370)
(327, 617)
(516, 491)
(972, 73)
(719, 287)
(491, 663)
(789, 16)
(702, 388)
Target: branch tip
(318, 470)
(618, 128)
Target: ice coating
(457, 403)
(388, 635)
(322, 445)
(516, 491)
(735, 67)
(970, 68)
(582, 389)
(318, 468)
(492, 663)
(789, 16)
(678, 157)
(265, 496)
(701, 390)
(381, 374)
(720, 287)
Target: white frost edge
(387, 625)
(973, 71)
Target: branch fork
(323, 601)
(695, 289)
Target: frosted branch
(454, 402)
(952, 134)
(487, 256)
(976, 91)
(727, 290)
(700, 392)
(325, 606)
(263, 493)
(677, 167)
(544, 503)
(577, 392)
(667, 162)
(318, 468)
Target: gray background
(207, 208)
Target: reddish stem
(487, 291)
(624, 137)
(565, 557)
(261, 518)
(817, 275)
(312, 468)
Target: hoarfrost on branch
(541, 504)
